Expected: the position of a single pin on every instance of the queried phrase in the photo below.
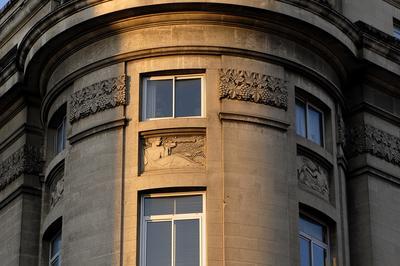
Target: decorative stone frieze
(368, 139)
(26, 160)
(173, 152)
(98, 97)
(57, 192)
(313, 176)
(253, 87)
(341, 130)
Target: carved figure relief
(253, 87)
(368, 139)
(57, 192)
(174, 152)
(26, 160)
(313, 176)
(97, 97)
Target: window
(60, 136)
(313, 238)
(172, 96)
(55, 250)
(309, 122)
(396, 29)
(3, 3)
(172, 230)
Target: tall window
(172, 230)
(172, 96)
(309, 122)
(55, 250)
(314, 247)
(3, 3)
(396, 29)
(60, 137)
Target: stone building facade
(218, 132)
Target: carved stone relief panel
(253, 87)
(98, 97)
(164, 152)
(368, 139)
(26, 160)
(313, 176)
(56, 191)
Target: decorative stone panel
(173, 152)
(26, 160)
(253, 87)
(368, 139)
(313, 176)
(106, 94)
(56, 192)
(341, 131)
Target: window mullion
(173, 97)
(173, 237)
(312, 252)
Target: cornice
(395, 3)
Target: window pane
(314, 125)
(158, 244)
(313, 229)
(305, 255)
(300, 119)
(60, 137)
(396, 32)
(188, 97)
(189, 204)
(56, 262)
(187, 251)
(158, 95)
(319, 255)
(55, 245)
(158, 206)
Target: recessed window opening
(309, 122)
(172, 96)
(173, 230)
(55, 250)
(396, 29)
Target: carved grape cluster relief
(312, 175)
(253, 87)
(98, 97)
(368, 139)
(26, 160)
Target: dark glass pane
(319, 255)
(312, 228)
(305, 254)
(188, 97)
(187, 252)
(60, 139)
(300, 119)
(158, 95)
(158, 244)
(189, 204)
(55, 245)
(158, 206)
(314, 125)
(56, 262)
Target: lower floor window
(313, 243)
(172, 230)
(55, 249)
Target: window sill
(54, 163)
(193, 122)
(318, 150)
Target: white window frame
(171, 218)
(58, 254)
(313, 240)
(143, 105)
(62, 125)
(307, 105)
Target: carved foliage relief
(253, 87)
(98, 97)
(173, 152)
(26, 160)
(312, 175)
(368, 139)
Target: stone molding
(369, 139)
(100, 96)
(166, 152)
(253, 87)
(26, 160)
(313, 176)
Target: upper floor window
(172, 96)
(172, 230)
(313, 243)
(396, 29)
(56, 133)
(55, 250)
(3, 3)
(309, 122)
(60, 137)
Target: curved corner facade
(199, 133)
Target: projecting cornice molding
(368, 139)
(26, 160)
(106, 94)
(253, 87)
